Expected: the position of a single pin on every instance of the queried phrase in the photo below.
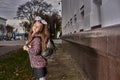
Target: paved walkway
(8, 46)
(6, 49)
(12, 43)
(61, 66)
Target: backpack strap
(33, 38)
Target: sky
(8, 8)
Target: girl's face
(37, 27)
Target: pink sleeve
(35, 49)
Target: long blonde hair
(44, 35)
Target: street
(8, 46)
(12, 43)
(22, 42)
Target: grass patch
(15, 66)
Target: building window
(71, 21)
(82, 11)
(81, 30)
(65, 27)
(68, 24)
(98, 2)
(75, 31)
(75, 18)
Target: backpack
(50, 47)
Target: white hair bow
(40, 19)
(44, 22)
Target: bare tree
(55, 20)
(25, 25)
(9, 28)
(33, 8)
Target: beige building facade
(91, 34)
(79, 15)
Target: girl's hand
(25, 48)
(26, 42)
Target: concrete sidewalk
(6, 49)
(8, 46)
(12, 43)
(61, 66)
